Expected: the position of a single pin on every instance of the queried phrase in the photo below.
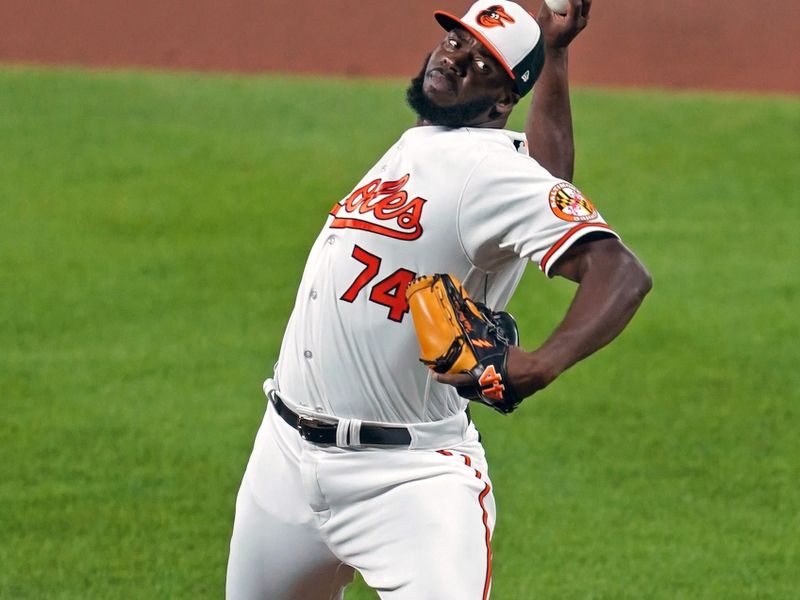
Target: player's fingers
(452, 379)
(574, 11)
(545, 14)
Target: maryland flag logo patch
(567, 203)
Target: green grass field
(153, 229)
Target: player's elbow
(609, 264)
(647, 282)
(624, 267)
(639, 282)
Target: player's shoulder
(505, 157)
(470, 145)
(505, 153)
(490, 139)
(499, 141)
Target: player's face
(460, 70)
(460, 83)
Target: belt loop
(355, 433)
(343, 432)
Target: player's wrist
(532, 371)
(556, 52)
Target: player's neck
(499, 123)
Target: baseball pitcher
(367, 458)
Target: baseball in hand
(558, 6)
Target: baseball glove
(457, 335)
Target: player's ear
(504, 106)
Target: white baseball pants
(416, 524)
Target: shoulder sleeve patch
(569, 204)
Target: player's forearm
(610, 292)
(549, 122)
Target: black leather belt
(323, 432)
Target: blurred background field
(153, 229)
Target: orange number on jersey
(391, 292)
(388, 292)
(371, 265)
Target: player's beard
(458, 115)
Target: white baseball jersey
(469, 202)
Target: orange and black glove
(457, 335)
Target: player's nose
(457, 62)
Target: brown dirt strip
(731, 45)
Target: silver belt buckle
(301, 420)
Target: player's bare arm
(549, 122)
(612, 284)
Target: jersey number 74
(389, 291)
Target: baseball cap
(509, 32)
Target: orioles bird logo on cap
(494, 17)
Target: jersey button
(313, 294)
(307, 354)
(332, 240)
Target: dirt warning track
(731, 45)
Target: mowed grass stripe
(153, 229)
